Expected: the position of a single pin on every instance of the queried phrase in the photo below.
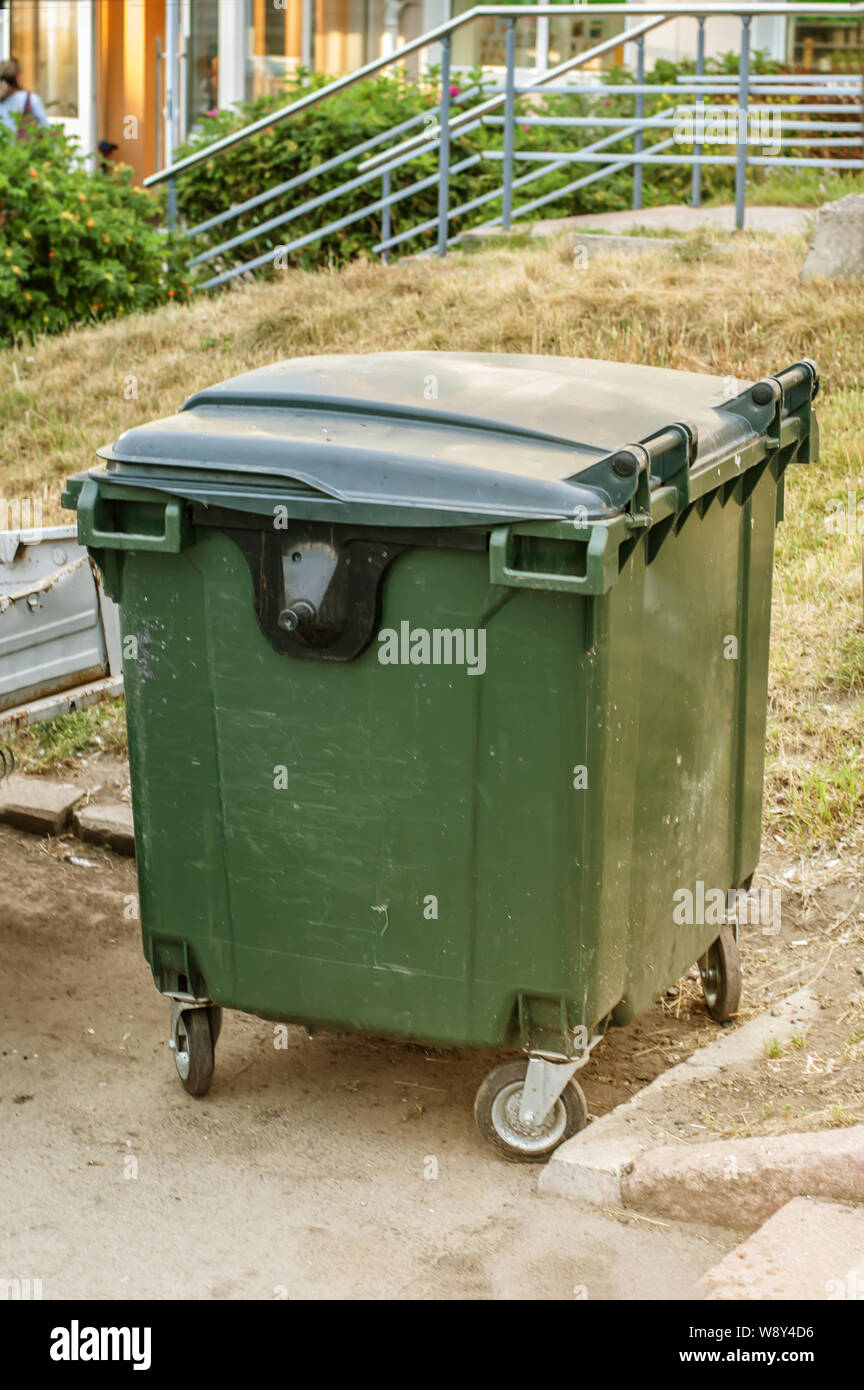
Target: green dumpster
(445, 679)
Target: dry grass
(687, 308)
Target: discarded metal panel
(59, 632)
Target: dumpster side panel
(758, 525)
(614, 823)
(174, 766)
(698, 783)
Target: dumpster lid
(424, 438)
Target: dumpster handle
(91, 535)
(601, 562)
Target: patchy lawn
(689, 308)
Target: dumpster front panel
(339, 866)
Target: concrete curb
(742, 1182)
(592, 1166)
(594, 244)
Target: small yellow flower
(90, 222)
(16, 270)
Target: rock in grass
(837, 246)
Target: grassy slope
(743, 317)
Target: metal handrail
(442, 31)
(385, 162)
(392, 159)
(326, 168)
(491, 103)
(388, 161)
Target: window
(833, 44)
(44, 39)
(484, 43)
(329, 36)
(202, 60)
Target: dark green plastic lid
(427, 438)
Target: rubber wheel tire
(720, 969)
(214, 1013)
(195, 1025)
(569, 1115)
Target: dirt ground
(302, 1174)
(349, 1168)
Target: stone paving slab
(837, 248)
(38, 804)
(810, 1250)
(107, 823)
(783, 221)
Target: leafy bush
(312, 138)
(75, 247)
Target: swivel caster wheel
(720, 969)
(501, 1119)
(193, 1041)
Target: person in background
(16, 101)
(106, 148)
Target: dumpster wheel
(193, 1040)
(496, 1111)
(720, 969)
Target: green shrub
(281, 153)
(75, 247)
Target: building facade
(141, 73)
